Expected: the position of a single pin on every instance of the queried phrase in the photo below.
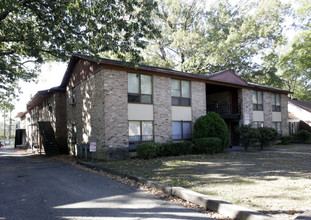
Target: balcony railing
(225, 110)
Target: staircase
(48, 138)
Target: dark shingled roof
(223, 77)
(302, 104)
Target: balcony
(226, 111)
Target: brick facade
(267, 109)
(198, 102)
(284, 114)
(246, 106)
(100, 112)
(162, 109)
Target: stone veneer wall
(267, 109)
(284, 114)
(162, 109)
(198, 100)
(246, 105)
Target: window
(140, 131)
(278, 127)
(139, 88)
(181, 130)
(257, 124)
(180, 91)
(292, 127)
(276, 102)
(257, 100)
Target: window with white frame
(257, 100)
(180, 90)
(278, 127)
(276, 102)
(139, 88)
(257, 124)
(181, 130)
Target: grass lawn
(273, 182)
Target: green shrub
(185, 147)
(208, 145)
(212, 125)
(303, 135)
(147, 150)
(267, 136)
(286, 139)
(168, 149)
(248, 136)
(175, 148)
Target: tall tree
(34, 31)
(295, 64)
(205, 40)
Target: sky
(51, 75)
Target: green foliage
(202, 38)
(175, 149)
(286, 139)
(150, 150)
(248, 136)
(295, 66)
(212, 125)
(35, 31)
(210, 145)
(147, 150)
(303, 135)
(267, 136)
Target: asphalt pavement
(33, 187)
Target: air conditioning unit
(71, 101)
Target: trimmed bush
(267, 136)
(212, 125)
(286, 139)
(147, 150)
(248, 136)
(303, 135)
(175, 148)
(185, 147)
(208, 145)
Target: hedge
(209, 145)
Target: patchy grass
(271, 182)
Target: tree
(206, 40)
(35, 31)
(295, 64)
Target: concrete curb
(222, 207)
